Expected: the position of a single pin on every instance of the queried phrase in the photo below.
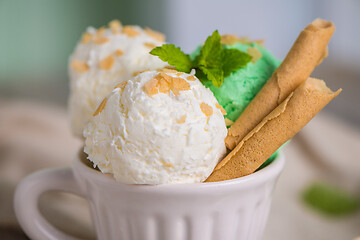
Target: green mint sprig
(330, 200)
(214, 62)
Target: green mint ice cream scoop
(241, 86)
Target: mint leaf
(201, 75)
(330, 200)
(233, 59)
(215, 75)
(209, 59)
(210, 54)
(174, 56)
(213, 62)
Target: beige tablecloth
(35, 136)
(327, 149)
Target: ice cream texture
(159, 127)
(102, 58)
(241, 86)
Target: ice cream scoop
(103, 58)
(159, 127)
(241, 86)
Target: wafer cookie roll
(274, 130)
(309, 49)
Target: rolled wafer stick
(274, 130)
(309, 49)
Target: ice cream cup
(233, 209)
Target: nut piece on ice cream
(157, 128)
(103, 58)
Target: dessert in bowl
(159, 139)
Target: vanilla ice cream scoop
(103, 58)
(157, 128)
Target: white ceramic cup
(234, 209)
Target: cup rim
(269, 172)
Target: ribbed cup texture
(229, 210)
(131, 216)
